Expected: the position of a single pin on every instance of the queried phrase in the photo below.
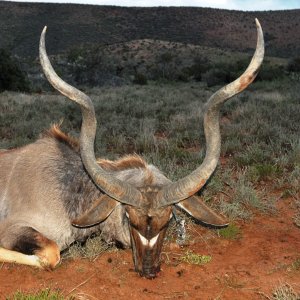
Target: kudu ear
(201, 212)
(100, 210)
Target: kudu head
(149, 209)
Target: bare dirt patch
(248, 267)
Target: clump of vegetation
(285, 292)
(12, 78)
(45, 294)
(231, 281)
(199, 68)
(263, 171)
(91, 66)
(296, 265)
(297, 219)
(293, 193)
(235, 210)
(231, 232)
(93, 247)
(195, 259)
(140, 78)
(215, 76)
(270, 72)
(294, 65)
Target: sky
(246, 5)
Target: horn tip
(257, 23)
(44, 29)
(42, 39)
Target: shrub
(200, 66)
(231, 232)
(91, 66)
(166, 57)
(214, 76)
(270, 72)
(11, 76)
(294, 65)
(140, 78)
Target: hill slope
(71, 25)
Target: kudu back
(54, 191)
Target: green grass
(231, 232)
(192, 258)
(263, 171)
(45, 294)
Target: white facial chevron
(147, 242)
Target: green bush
(140, 78)
(270, 72)
(91, 66)
(11, 76)
(223, 73)
(294, 65)
(215, 76)
(199, 68)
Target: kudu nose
(150, 275)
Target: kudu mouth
(148, 265)
(150, 273)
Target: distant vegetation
(72, 25)
(12, 78)
(140, 64)
(103, 45)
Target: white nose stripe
(147, 242)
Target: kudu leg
(25, 245)
(10, 256)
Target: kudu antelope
(54, 192)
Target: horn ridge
(113, 187)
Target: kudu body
(54, 192)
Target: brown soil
(249, 267)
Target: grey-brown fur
(44, 184)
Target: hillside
(73, 25)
